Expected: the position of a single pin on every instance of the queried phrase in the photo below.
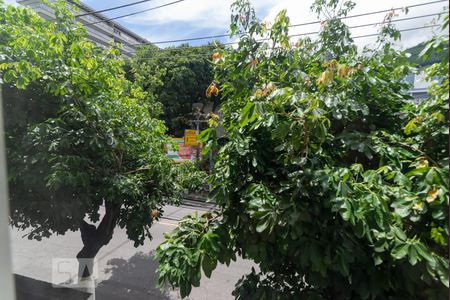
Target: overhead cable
(112, 8)
(137, 12)
(310, 33)
(299, 24)
(306, 33)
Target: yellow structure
(190, 138)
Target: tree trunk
(95, 238)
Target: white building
(100, 30)
(420, 85)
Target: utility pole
(197, 122)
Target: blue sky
(192, 18)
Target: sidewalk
(125, 272)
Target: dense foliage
(176, 77)
(333, 180)
(416, 58)
(78, 134)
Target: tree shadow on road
(134, 279)
(32, 289)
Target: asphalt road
(124, 272)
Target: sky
(194, 18)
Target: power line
(180, 56)
(377, 23)
(294, 35)
(112, 8)
(306, 33)
(192, 39)
(297, 25)
(294, 25)
(402, 30)
(137, 12)
(375, 12)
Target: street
(124, 272)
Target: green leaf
(377, 260)
(424, 252)
(205, 135)
(400, 251)
(431, 176)
(22, 82)
(442, 270)
(263, 225)
(413, 256)
(346, 210)
(419, 171)
(399, 233)
(9, 76)
(360, 229)
(208, 265)
(438, 213)
(247, 113)
(403, 210)
(185, 289)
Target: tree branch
(138, 170)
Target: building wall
(101, 33)
(419, 85)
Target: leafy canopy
(79, 134)
(333, 180)
(176, 77)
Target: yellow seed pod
(352, 72)
(432, 194)
(418, 206)
(423, 162)
(212, 90)
(259, 93)
(213, 120)
(154, 213)
(325, 78)
(343, 71)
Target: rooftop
(112, 23)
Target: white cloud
(13, 2)
(299, 12)
(198, 13)
(205, 17)
(186, 19)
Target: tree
(415, 58)
(79, 135)
(177, 77)
(333, 181)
